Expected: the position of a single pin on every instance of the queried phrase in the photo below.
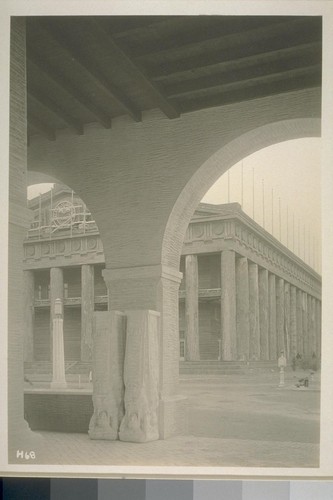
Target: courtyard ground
(243, 420)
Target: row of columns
(57, 292)
(261, 313)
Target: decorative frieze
(250, 240)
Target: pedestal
(109, 334)
(141, 377)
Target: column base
(173, 416)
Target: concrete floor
(234, 421)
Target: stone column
(280, 315)
(299, 322)
(109, 337)
(29, 315)
(156, 288)
(56, 292)
(58, 358)
(228, 305)
(272, 317)
(242, 308)
(264, 314)
(192, 351)
(287, 319)
(87, 310)
(254, 312)
(293, 322)
(305, 324)
(311, 333)
(141, 377)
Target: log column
(254, 312)
(29, 315)
(293, 322)
(192, 352)
(264, 314)
(272, 317)
(228, 305)
(299, 322)
(242, 308)
(87, 310)
(280, 315)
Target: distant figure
(282, 361)
(293, 363)
(303, 382)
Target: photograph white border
(248, 7)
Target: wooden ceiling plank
(156, 95)
(57, 110)
(62, 82)
(73, 50)
(255, 92)
(225, 33)
(44, 129)
(252, 82)
(255, 72)
(255, 50)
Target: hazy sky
(285, 182)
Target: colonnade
(57, 290)
(262, 313)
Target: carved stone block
(141, 377)
(108, 363)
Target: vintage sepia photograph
(165, 240)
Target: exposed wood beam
(56, 109)
(249, 83)
(122, 60)
(44, 129)
(124, 26)
(221, 34)
(258, 49)
(60, 80)
(74, 50)
(273, 69)
(247, 94)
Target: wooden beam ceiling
(94, 69)
(60, 80)
(138, 73)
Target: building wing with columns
(243, 297)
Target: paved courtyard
(234, 420)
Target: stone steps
(45, 367)
(224, 367)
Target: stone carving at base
(108, 363)
(141, 377)
(104, 423)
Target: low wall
(59, 412)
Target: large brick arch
(141, 180)
(218, 164)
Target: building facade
(243, 297)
